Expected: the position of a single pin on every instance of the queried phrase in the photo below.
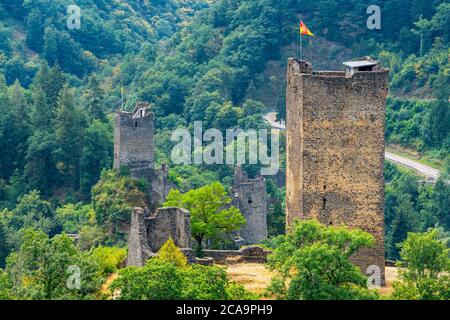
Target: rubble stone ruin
(148, 233)
(134, 150)
(150, 227)
(335, 149)
(249, 195)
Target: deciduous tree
(427, 262)
(209, 217)
(313, 263)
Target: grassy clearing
(255, 277)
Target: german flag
(304, 29)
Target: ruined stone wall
(138, 249)
(335, 151)
(134, 149)
(169, 223)
(250, 254)
(149, 233)
(249, 195)
(159, 186)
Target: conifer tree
(69, 128)
(94, 96)
(14, 131)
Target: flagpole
(121, 92)
(301, 47)
(301, 44)
(303, 30)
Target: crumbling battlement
(335, 150)
(249, 195)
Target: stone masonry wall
(250, 196)
(169, 223)
(138, 249)
(134, 149)
(133, 141)
(335, 151)
(250, 254)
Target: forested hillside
(222, 62)
(37, 29)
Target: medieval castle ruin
(152, 226)
(134, 150)
(334, 174)
(335, 149)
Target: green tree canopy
(113, 198)
(427, 262)
(31, 211)
(166, 277)
(40, 269)
(313, 263)
(209, 217)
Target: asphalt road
(430, 173)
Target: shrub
(5, 285)
(205, 283)
(169, 252)
(158, 280)
(162, 280)
(109, 259)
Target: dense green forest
(221, 62)
(413, 206)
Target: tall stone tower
(335, 149)
(249, 195)
(134, 149)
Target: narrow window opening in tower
(250, 200)
(135, 124)
(324, 203)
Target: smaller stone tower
(151, 226)
(134, 149)
(249, 195)
(133, 141)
